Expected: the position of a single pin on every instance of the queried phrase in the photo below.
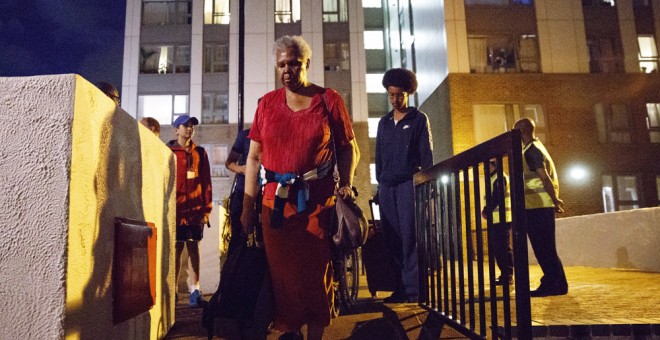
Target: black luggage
(379, 264)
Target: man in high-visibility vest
(541, 203)
(500, 246)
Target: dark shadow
(386, 327)
(118, 189)
(623, 260)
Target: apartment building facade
(585, 71)
(182, 57)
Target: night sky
(63, 36)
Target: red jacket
(194, 199)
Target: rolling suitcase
(381, 269)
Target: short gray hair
(289, 41)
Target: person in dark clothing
(541, 203)
(403, 147)
(501, 227)
(236, 163)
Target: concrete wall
(77, 163)
(623, 239)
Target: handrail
(454, 270)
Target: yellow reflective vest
(507, 199)
(535, 196)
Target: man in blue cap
(193, 199)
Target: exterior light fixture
(578, 173)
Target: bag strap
(335, 172)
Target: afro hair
(400, 77)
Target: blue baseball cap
(183, 119)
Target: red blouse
(299, 141)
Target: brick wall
(568, 102)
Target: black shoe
(396, 298)
(500, 281)
(546, 290)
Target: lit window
(287, 11)
(653, 121)
(620, 193)
(373, 126)
(335, 11)
(648, 54)
(613, 123)
(491, 120)
(371, 4)
(373, 40)
(372, 173)
(216, 58)
(216, 12)
(165, 59)
(164, 108)
(166, 12)
(490, 54)
(215, 108)
(374, 83)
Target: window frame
(616, 201)
(211, 65)
(218, 100)
(173, 59)
(509, 59)
(173, 107)
(602, 60)
(338, 14)
(654, 129)
(214, 13)
(181, 14)
(651, 59)
(288, 15)
(607, 133)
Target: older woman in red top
(291, 138)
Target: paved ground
(618, 301)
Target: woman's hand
(248, 220)
(346, 192)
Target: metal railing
(456, 272)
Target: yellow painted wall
(118, 169)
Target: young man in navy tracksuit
(403, 147)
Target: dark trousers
(235, 211)
(397, 214)
(541, 232)
(501, 248)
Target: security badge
(190, 174)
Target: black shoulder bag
(349, 225)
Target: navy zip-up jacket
(403, 149)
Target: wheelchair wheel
(352, 276)
(347, 281)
